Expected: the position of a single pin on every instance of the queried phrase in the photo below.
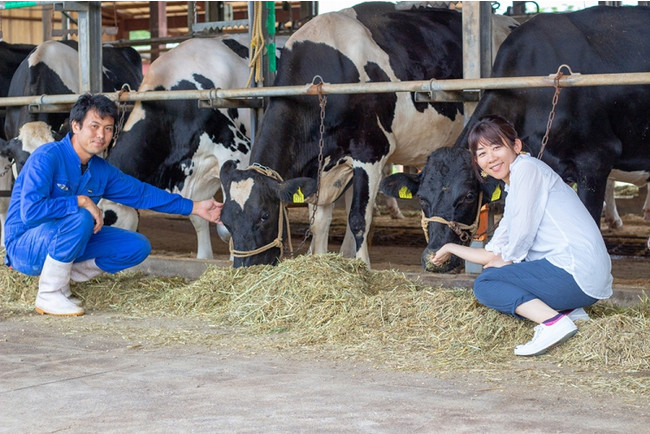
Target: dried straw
(339, 305)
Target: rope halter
(465, 232)
(282, 217)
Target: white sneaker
(547, 337)
(578, 314)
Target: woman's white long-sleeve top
(544, 218)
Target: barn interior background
(159, 26)
(396, 244)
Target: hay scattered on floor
(376, 315)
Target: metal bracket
(213, 103)
(467, 95)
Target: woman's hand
(442, 255)
(496, 262)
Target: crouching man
(54, 227)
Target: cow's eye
(470, 195)
(264, 217)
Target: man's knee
(81, 220)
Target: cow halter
(283, 217)
(465, 232)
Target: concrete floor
(66, 379)
(59, 375)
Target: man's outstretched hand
(208, 209)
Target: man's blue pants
(71, 239)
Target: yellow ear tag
(496, 194)
(298, 197)
(405, 193)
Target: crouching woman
(547, 259)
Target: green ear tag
(496, 194)
(298, 197)
(405, 193)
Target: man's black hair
(86, 102)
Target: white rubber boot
(84, 271)
(68, 293)
(51, 300)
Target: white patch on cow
(137, 114)
(34, 134)
(127, 217)
(63, 60)
(240, 191)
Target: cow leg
(611, 212)
(365, 186)
(348, 247)
(320, 228)
(204, 243)
(591, 190)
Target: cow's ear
(3, 147)
(401, 185)
(296, 190)
(227, 172)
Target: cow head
(252, 211)
(447, 188)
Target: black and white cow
(595, 129)
(175, 145)
(53, 68)
(371, 42)
(11, 55)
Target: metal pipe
(426, 86)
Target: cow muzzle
(223, 232)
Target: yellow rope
(257, 46)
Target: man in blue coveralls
(54, 227)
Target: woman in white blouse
(547, 259)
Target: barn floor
(82, 375)
(91, 374)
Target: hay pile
(382, 316)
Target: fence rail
(247, 97)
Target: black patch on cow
(204, 82)
(110, 218)
(236, 47)
(356, 218)
(171, 134)
(421, 44)
(12, 55)
(350, 120)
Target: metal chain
(322, 102)
(121, 109)
(551, 115)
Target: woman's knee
(484, 286)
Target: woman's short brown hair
(490, 129)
